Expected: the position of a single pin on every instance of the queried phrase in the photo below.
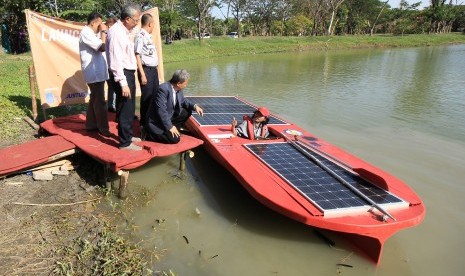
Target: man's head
(180, 79)
(130, 15)
(111, 21)
(147, 22)
(94, 19)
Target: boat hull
(368, 230)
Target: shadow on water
(229, 199)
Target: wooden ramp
(33, 153)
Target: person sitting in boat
(255, 127)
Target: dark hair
(146, 19)
(129, 10)
(111, 19)
(93, 16)
(180, 75)
(266, 120)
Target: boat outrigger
(307, 179)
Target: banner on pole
(55, 53)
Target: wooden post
(107, 176)
(123, 184)
(182, 161)
(33, 92)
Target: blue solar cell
(221, 110)
(314, 182)
(238, 109)
(215, 100)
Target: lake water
(402, 110)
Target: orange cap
(264, 111)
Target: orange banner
(55, 53)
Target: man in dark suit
(169, 110)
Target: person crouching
(169, 110)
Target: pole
(182, 161)
(33, 92)
(335, 175)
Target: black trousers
(148, 91)
(125, 108)
(167, 137)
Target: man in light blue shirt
(147, 66)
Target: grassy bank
(191, 49)
(14, 83)
(15, 95)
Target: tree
(333, 5)
(318, 15)
(238, 8)
(298, 25)
(262, 13)
(442, 16)
(14, 22)
(199, 10)
(377, 18)
(283, 12)
(405, 18)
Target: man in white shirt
(122, 62)
(95, 71)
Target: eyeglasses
(135, 20)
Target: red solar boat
(307, 179)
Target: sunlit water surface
(401, 109)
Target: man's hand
(126, 92)
(199, 110)
(102, 27)
(143, 79)
(233, 126)
(174, 131)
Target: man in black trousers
(169, 110)
(122, 63)
(147, 66)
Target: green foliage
(277, 27)
(362, 14)
(298, 25)
(459, 23)
(218, 27)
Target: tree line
(189, 18)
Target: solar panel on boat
(316, 184)
(229, 100)
(215, 119)
(221, 110)
(230, 108)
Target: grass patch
(192, 49)
(102, 253)
(15, 95)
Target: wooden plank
(49, 165)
